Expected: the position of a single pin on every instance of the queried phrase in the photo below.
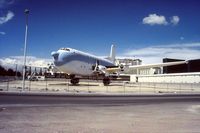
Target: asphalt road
(89, 113)
(57, 98)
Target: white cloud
(175, 20)
(7, 17)
(2, 33)
(155, 54)
(10, 62)
(154, 19)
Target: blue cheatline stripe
(66, 58)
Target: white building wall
(167, 78)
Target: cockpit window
(66, 49)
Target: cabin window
(66, 49)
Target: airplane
(78, 63)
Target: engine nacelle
(100, 69)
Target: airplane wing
(112, 70)
(107, 71)
(157, 65)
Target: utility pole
(25, 44)
(16, 71)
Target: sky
(145, 29)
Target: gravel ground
(103, 118)
(97, 87)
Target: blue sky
(93, 25)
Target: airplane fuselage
(76, 62)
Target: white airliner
(77, 63)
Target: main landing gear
(74, 81)
(106, 81)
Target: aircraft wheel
(106, 81)
(74, 81)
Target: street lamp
(25, 43)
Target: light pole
(25, 43)
(16, 71)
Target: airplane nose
(55, 55)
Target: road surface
(22, 113)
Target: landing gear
(74, 81)
(106, 81)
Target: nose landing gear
(74, 80)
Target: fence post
(167, 87)
(88, 85)
(124, 87)
(67, 83)
(46, 84)
(29, 85)
(8, 85)
(106, 88)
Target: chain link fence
(96, 86)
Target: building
(129, 62)
(191, 66)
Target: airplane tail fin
(112, 54)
